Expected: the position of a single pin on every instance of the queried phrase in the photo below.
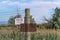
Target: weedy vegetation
(7, 33)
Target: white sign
(19, 21)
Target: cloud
(9, 3)
(30, 4)
(38, 4)
(39, 9)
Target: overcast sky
(38, 8)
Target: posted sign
(19, 21)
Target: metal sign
(19, 21)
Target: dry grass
(40, 33)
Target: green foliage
(32, 21)
(12, 19)
(55, 21)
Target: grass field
(10, 33)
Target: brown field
(41, 31)
(7, 33)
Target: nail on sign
(19, 21)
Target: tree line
(54, 22)
(12, 19)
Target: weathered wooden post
(27, 27)
(27, 23)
